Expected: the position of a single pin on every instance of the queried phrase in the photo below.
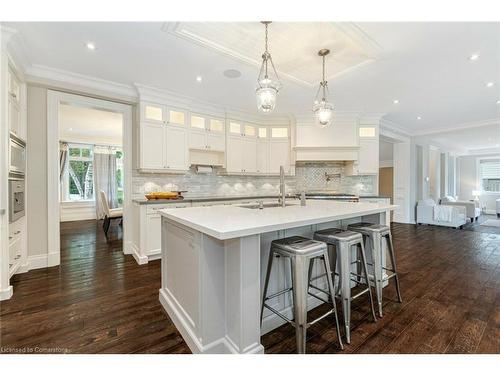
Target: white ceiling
(95, 126)
(484, 138)
(424, 65)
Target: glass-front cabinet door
(177, 117)
(198, 121)
(216, 125)
(235, 128)
(153, 112)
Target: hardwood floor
(100, 301)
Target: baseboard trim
(6, 293)
(140, 259)
(222, 345)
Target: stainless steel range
(331, 195)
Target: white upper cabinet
(235, 128)
(216, 142)
(177, 117)
(14, 106)
(207, 133)
(279, 154)
(176, 148)
(234, 155)
(152, 145)
(198, 122)
(14, 87)
(153, 112)
(262, 156)
(249, 156)
(249, 131)
(216, 125)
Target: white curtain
(104, 177)
(63, 158)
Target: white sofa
(473, 210)
(425, 215)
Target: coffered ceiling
(424, 66)
(294, 45)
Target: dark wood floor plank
(100, 301)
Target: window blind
(490, 169)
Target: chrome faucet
(281, 199)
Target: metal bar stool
(374, 234)
(301, 251)
(344, 241)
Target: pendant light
(323, 111)
(268, 83)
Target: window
(489, 174)
(80, 182)
(119, 177)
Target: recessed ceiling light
(474, 56)
(232, 73)
(490, 84)
(90, 46)
(198, 78)
(419, 118)
(498, 101)
(70, 129)
(395, 101)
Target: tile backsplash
(308, 176)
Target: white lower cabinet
(17, 235)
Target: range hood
(309, 153)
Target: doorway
(89, 147)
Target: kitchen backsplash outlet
(310, 176)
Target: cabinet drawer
(154, 208)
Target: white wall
(36, 174)
(467, 180)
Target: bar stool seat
(302, 252)
(343, 241)
(298, 245)
(375, 234)
(335, 234)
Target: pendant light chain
(266, 54)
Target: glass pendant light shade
(268, 83)
(322, 109)
(323, 113)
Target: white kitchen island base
(213, 268)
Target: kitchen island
(214, 260)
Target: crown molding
(484, 151)
(44, 75)
(393, 127)
(461, 126)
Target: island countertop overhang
(227, 222)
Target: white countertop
(225, 222)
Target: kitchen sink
(255, 206)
